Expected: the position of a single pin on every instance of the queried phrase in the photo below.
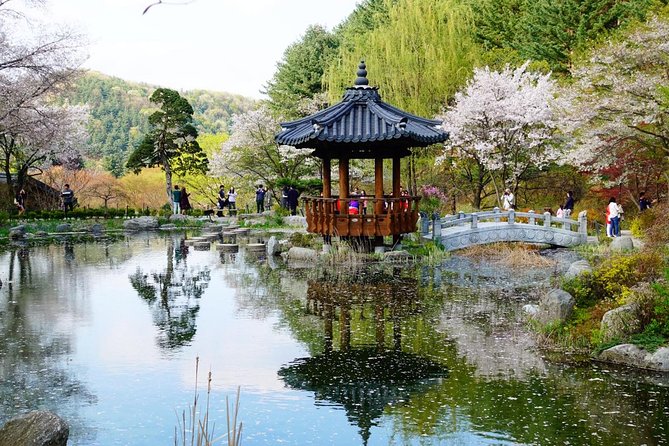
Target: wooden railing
(361, 216)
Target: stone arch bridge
(463, 230)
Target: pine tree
(171, 143)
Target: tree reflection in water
(173, 295)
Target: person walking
(176, 199)
(184, 202)
(614, 216)
(569, 204)
(293, 196)
(232, 201)
(67, 195)
(260, 199)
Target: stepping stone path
(227, 247)
(256, 247)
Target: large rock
(295, 221)
(621, 321)
(302, 254)
(623, 243)
(64, 227)
(272, 246)
(39, 428)
(531, 310)
(577, 268)
(555, 306)
(17, 232)
(634, 356)
(178, 217)
(141, 224)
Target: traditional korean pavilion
(361, 126)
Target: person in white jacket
(614, 216)
(508, 200)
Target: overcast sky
(223, 45)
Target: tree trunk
(168, 181)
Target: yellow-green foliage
(419, 57)
(614, 278)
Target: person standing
(560, 213)
(293, 196)
(176, 199)
(284, 197)
(21, 201)
(232, 201)
(67, 195)
(643, 202)
(260, 199)
(184, 202)
(569, 204)
(614, 216)
(508, 200)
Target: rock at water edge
(39, 428)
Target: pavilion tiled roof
(361, 126)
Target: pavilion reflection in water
(363, 378)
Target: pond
(106, 335)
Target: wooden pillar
(396, 177)
(378, 185)
(343, 185)
(327, 178)
(397, 207)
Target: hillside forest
(541, 97)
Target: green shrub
(614, 278)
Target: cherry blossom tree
(619, 114)
(252, 154)
(32, 139)
(36, 63)
(502, 125)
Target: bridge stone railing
(463, 230)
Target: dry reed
(509, 255)
(196, 431)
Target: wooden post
(327, 178)
(396, 177)
(343, 185)
(378, 186)
(397, 207)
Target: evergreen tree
(171, 143)
(299, 76)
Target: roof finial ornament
(362, 74)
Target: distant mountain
(119, 113)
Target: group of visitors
(227, 201)
(564, 211)
(358, 203)
(180, 200)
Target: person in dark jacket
(569, 204)
(293, 196)
(260, 199)
(643, 202)
(184, 202)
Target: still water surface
(106, 335)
